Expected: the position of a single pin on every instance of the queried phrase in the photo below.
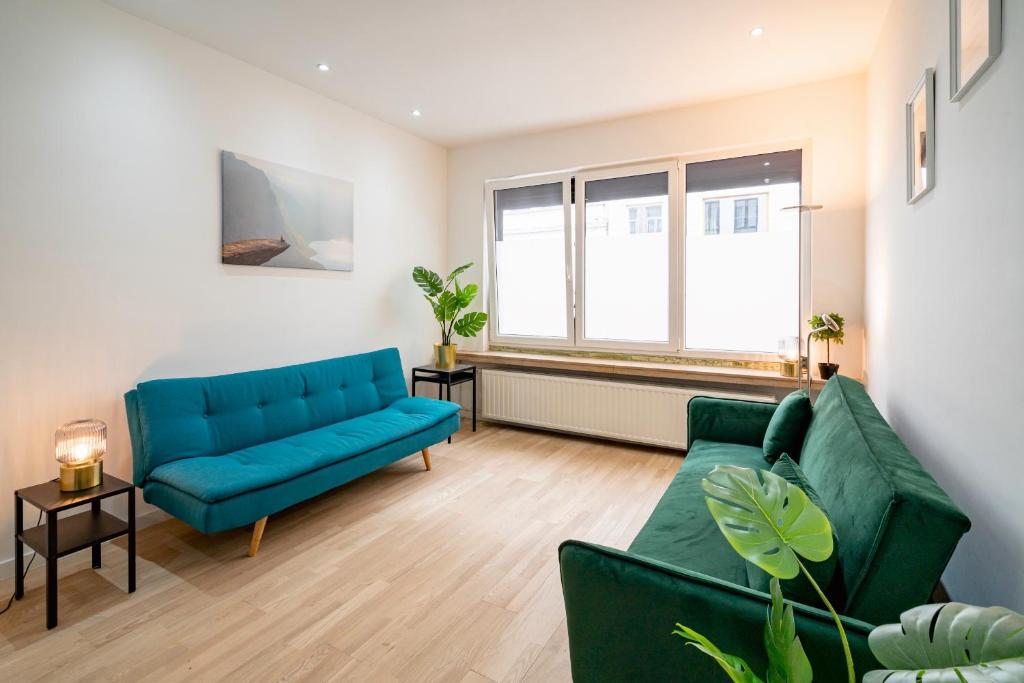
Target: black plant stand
(444, 377)
(60, 537)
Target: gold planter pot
(444, 355)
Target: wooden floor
(404, 575)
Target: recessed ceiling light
(757, 31)
(322, 67)
(767, 163)
(417, 113)
(767, 180)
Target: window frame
(494, 324)
(747, 228)
(676, 223)
(717, 203)
(671, 346)
(804, 276)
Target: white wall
(830, 114)
(945, 288)
(110, 130)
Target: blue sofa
(227, 451)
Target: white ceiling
(488, 68)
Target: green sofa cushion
(788, 427)
(799, 588)
(681, 530)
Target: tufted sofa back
(171, 419)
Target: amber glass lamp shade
(80, 447)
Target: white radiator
(642, 413)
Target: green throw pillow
(788, 426)
(825, 573)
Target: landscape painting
(277, 216)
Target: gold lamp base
(789, 368)
(78, 477)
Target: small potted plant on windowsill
(828, 335)
(448, 299)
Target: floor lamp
(809, 209)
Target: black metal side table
(60, 537)
(444, 377)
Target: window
(681, 257)
(743, 287)
(745, 211)
(624, 253)
(529, 261)
(645, 219)
(712, 222)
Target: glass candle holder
(79, 448)
(789, 357)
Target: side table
(445, 377)
(60, 537)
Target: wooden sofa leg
(257, 536)
(426, 457)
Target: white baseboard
(147, 519)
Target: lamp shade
(81, 442)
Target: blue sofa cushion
(247, 507)
(210, 416)
(219, 477)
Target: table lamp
(79, 448)
(789, 357)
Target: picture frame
(975, 41)
(920, 113)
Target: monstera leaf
(447, 306)
(737, 670)
(465, 295)
(458, 271)
(470, 324)
(767, 520)
(787, 661)
(953, 642)
(428, 280)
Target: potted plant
(931, 644)
(448, 299)
(827, 335)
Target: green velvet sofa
(896, 531)
(227, 451)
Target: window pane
(529, 254)
(626, 258)
(742, 280)
(711, 224)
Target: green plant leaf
(836, 337)
(447, 306)
(787, 661)
(428, 280)
(767, 520)
(470, 324)
(465, 294)
(950, 642)
(737, 670)
(458, 271)
(433, 304)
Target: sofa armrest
(621, 609)
(728, 420)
